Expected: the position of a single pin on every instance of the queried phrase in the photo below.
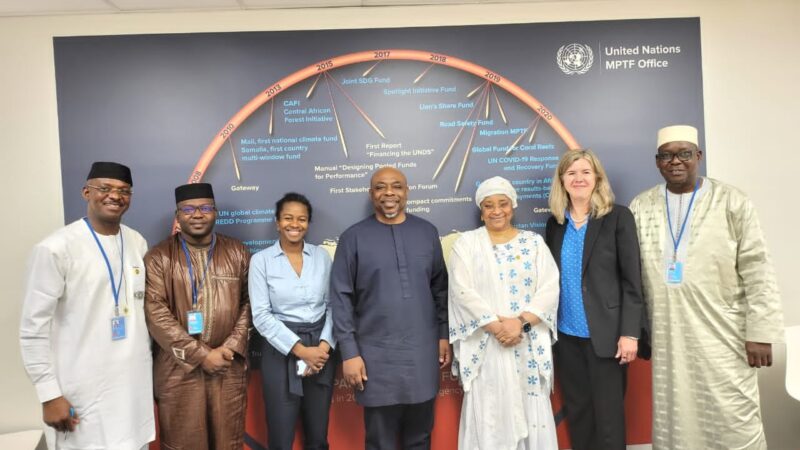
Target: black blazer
(612, 282)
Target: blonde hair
(602, 200)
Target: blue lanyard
(114, 291)
(677, 242)
(195, 288)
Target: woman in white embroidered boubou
(502, 310)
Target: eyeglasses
(105, 190)
(190, 209)
(683, 155)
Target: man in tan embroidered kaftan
(198, 312)
(713, 299)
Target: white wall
(750, 70)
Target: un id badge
(118, 328)
(194, 322)
(675, 272)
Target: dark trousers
(283, 408)
(593, 392)
(412, 424)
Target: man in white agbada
(503, 299)
(715, 309)
(83, 336)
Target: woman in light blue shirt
(289, 296)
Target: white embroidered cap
(496, 185)
(676, 133)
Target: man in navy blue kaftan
(389, 296)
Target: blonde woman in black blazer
(600, 316)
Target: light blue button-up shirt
(571, 312)
(278, 294)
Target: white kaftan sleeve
(764, 310)
(467, 310)
(45, 284)
(545, 300)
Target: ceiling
(58, 7)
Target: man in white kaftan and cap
(503, 302)
(83, 336)
(713, 299)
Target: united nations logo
(575, 58)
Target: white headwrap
(496, 185)
(677, 133)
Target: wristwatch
(526, 326)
